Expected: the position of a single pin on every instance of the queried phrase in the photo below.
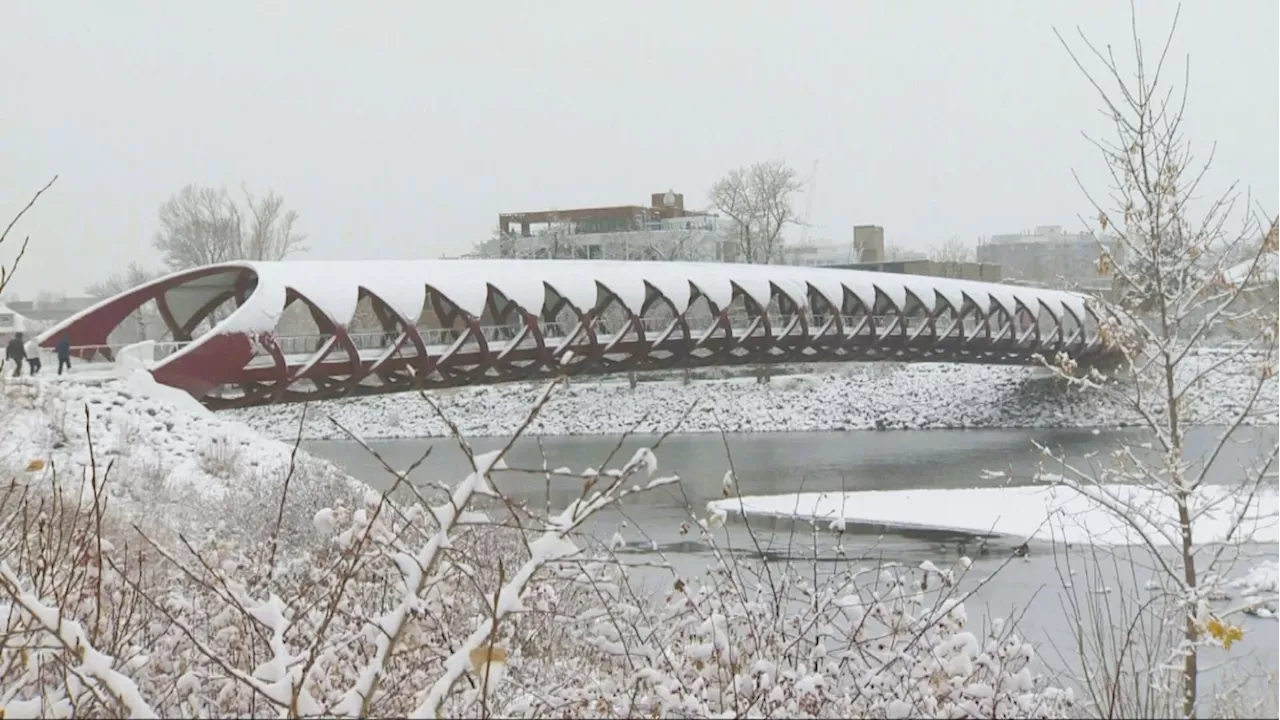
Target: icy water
(1031, 588)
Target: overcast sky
(401, 130)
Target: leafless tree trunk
(757, 200)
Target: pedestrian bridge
(250, 333)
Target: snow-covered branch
(1175, 291)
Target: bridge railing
(110, 352)
(497, 335)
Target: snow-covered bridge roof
(486, 289)
(334, 286)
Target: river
(776, 463)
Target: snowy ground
(852, 397)
(1042, 513)
(172, 463)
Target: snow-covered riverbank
(163, 460)
(852, 397)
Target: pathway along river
(777, 463)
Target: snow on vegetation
(160, 457)
(442, 602)
(860, 397)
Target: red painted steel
(778, 333)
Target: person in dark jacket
(63, 351)
(16, 352)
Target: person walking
(33, 356)
(16, 352)
(63, 351)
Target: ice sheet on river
(1040, 512)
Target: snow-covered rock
(1257, 589)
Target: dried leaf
(486, 655)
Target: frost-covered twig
(1173, 249)
(551, 546)
(93, 668)
(6, 273)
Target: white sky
(401, 129)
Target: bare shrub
(221, 457)
(455, 600)
(128, 435)
(283, 503)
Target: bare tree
(953, 250)
(1175, 249)
(7, 272)
(894, 253)
(198, 226)
(498, 245)
(672, 245)
(204, 225)
(555, 243)
(757, 201)
(271, 233)
(951, 255)
(131, 277)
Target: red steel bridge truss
(248, 333)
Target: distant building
(50, 310)
(867, 246)
(665, 211)
(33, 316)
(985, 272)
(1049, 257)
(818, 254)
(868, 243)
(12, 321)
(663, 230)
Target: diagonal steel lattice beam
(451, 323)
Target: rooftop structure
(665, 211)
(1049, 257)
